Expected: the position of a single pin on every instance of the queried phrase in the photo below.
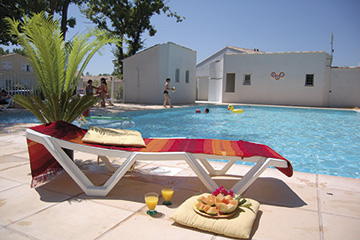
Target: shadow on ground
(134, 185)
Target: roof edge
(158, 45)
(230, 47)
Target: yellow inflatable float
(231, 107)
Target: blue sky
(270, 26)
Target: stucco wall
(141, 71)
(17, 62)
(183, 59)
(21, 73)
(345, 87)
(145, 74)
(202, 88)
(289, 89)
(203, 68)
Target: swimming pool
(314, 140)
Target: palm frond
(78, 105)
(82, 52)
(57, 65)
(30, 104)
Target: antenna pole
(332, 47)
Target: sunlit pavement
(305, 206)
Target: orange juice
(151, 202)
(167, 194)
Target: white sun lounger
(55, 146)
(5, 106)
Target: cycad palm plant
(57, 65)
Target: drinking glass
(167, 193)
(151, 200)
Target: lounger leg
(208, 166)
(107, 163)
(101, 191)
(80, 178)
(200, 172)
(217, 172)
(115, 178)
(70, 167)
(251, 175)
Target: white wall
(183, 59)
(203, 68)
(141, 71)
(203, 88)
(145, 74)
(212, 69)
(216, 81)
(215, 90)
(289, 90)
(345, 87)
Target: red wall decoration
(277, 76)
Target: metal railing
(24, 84)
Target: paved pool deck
(305, 206)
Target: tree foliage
(17, 9)
(20, 51)
(126, 20)
(3, 51)
(57, 65)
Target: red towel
(44, 165)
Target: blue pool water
(314, 140)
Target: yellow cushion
(238, 226)
(116, 137)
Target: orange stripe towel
(44, 165)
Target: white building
(344, 87)
(209, 73)
(146, 71)
(297, 78)
(289, 78)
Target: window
(187, 76)
(247, 79)
(26, 67)
(7, 66)
(177, 75)
(230, 82)
(309, 80)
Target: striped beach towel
(44, 165)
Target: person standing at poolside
(90, 88)
(166, 93)
(4, 97)
(104, 92)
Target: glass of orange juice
(167, 193)
(151, 200)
